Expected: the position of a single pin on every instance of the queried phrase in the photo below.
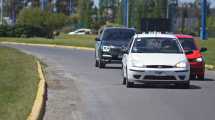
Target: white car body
(80, 32)
(155, 67)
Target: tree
(139, 9)
(42, 19)
(108, 9)
(85, 8)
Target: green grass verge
(210, 54)
(18, 84)
(81, 41)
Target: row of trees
(84, 13)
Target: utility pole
(126, 12)
(171, 13)
(43, 4)
(203, 33)
(1, 5)
(70, 7)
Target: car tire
(200, 77)
(101, 64)
(128, 83)
(123, 76)
(96, 63)
(124, 81)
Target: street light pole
(203, 33)
(70, 7)
(43, 4)
(1, 4)
(126, 12)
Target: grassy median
(81, 40)
(18, 84)
(210, 54)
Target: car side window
(100, 34)
(130, 43)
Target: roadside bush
(45, 21)
(6, 31)
(22, 31)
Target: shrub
(45, 21)
(6, 31)
(22, 31)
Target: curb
(49, 45)
(210, 67)
(39, 102)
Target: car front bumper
(156, 75)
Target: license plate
(159, 72)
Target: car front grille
(151, 77)
(192, 60)
(116, 51)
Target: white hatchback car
(155, 58)
(80, 32)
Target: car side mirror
(97, 39)
(188, 52)
(125, 50)
(203, 49)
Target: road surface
(79, 91)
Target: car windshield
(156, 45)
(188, 44)
(118, 34)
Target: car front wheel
(96, 63)
(128, 83)
(200, 77)
(101, 64)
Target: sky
(212, 1)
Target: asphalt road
(79, 91)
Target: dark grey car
(109, 44)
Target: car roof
(183, 36)
(119, 28)
(155, 35)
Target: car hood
(157, 58)
(116, 43)
(194, 55)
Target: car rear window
(118, 34)
(188, 43)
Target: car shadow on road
(193, 87)
(111, 67)
(206, 79)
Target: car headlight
(106, 48)
(199, 59)
(138, 64)
(181, 65)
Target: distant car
(155, 58)
(196, 59)
(109, 45)
(80, 32)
